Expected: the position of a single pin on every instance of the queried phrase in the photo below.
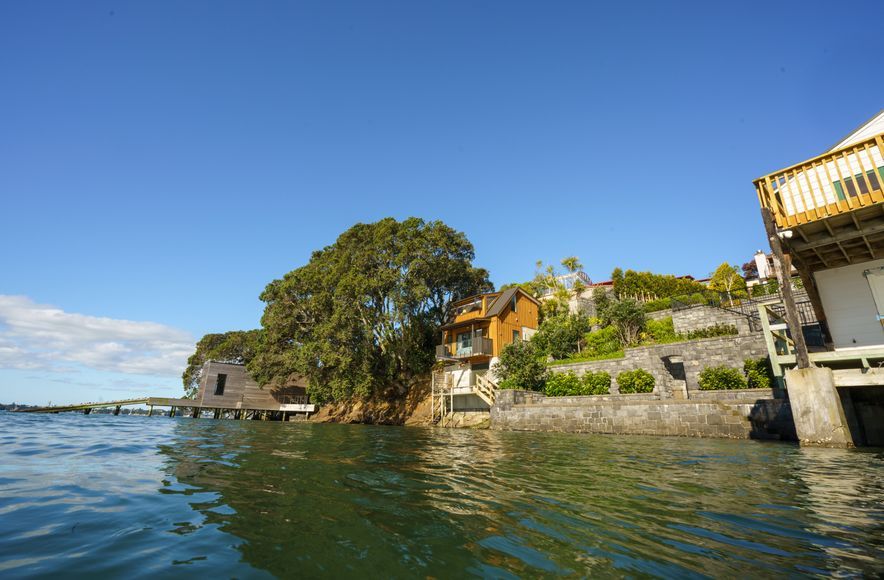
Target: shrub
(596, 383)
(601, 342)
(719, 378)
(562, 385)
(637, 381)
(657, 305)
(712, 331)
(521, 366)
(759, 374)
(659, 331)
(628, 318)
(560, 336)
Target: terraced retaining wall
(677, 366)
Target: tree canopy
(632, 284)
(728, 280)
(362, 316)
(237, 346)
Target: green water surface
(103, 496)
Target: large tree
(361, 318)
(727, 279)
(236, 346)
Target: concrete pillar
(816, 408)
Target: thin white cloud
(42, 337)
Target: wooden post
(150, 411)
(783, 269)
(813, 294)
(172, 412)
(116, 410)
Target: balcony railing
(837, 182)
(479, 346)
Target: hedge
(637, 381)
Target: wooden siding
(527, 314)
(240, 388)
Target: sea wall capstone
(749, 417)
(676, 367)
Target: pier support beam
(172, 412)
(117, 410)
(150, 411)
(816, 408)
(87, 410)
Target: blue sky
(161, 162)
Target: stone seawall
(754, 415)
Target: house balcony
(479, 346)
(833, 204)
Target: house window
(852, 184)
(517, 336)
(219, 384)
(464, 343)
(513, 302)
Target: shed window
(517, 336)
(513, 302)
(219, 384)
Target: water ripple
(135, 496)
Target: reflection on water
(141, 496)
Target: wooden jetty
(190, 408)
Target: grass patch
(578, 358)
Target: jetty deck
(190, 407)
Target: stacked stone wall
(755, 416)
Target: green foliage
(759, 374)
(768, 288)
(521, 366)
(659, 331)
(598, 383)
(237, 346)
(626, 316)
(563, 384)
(637, 381)
(657, 305)
(712, 331)
(569, 384)
(361, 317)
(728, 280)
(583, 357)
(601, 342)
(561, 336)
(721, 377)
(632, 283)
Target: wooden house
(480, 327)
(825, 216)
(230, 386)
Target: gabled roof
(504, 299)
(871, 127)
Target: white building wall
(874, 127)
(850, 309)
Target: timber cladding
(235, 387)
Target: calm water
(137, 496)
